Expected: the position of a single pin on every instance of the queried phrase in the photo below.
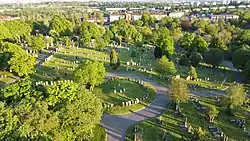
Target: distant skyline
(38, 1)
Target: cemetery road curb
(117, 125)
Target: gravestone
(115, 91)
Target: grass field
(132, 92)
(152, 131)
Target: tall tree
(90, 73)
(214, 56)
(114, 60)
(179, 91)
(235, 96)
(187, 40)
(199, 44)
(61, 25)
(38, 43)
(218, 43)
(165, 67)
(212, 113)
(241, 56)
(192, 73)
(165, 41)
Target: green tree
(195, 58)
(165, 41)
(184, 60)
(214, 56)
(192, 73)
(158, 52)
(38, 43)
(235, 96)
(165, 67)
(187, 40)
(241, 56)
(200, 44)
(79, 117)
(212, 113)
(61, 25)
(66, 41)
(199, 134)
(218, 43)
(179, 91)
(114, 60)
(90, 73)
(247, 69)
(138, 23)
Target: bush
(214, 56)
(184, 60)
(195, 58)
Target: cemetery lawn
(151, 130)
(99, 133)
(8, 77)
(62, 64)
(133, 91)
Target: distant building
(8, 18)
(115, 9)
(176, 14)
(225, 17)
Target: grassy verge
(128, 109)
(99, 133)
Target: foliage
(114, 60)
(38, 42)
(212, 113)
(247, 69)
(195, 58)
(91, 73)
(192, 73)
(165, 41)
(26, 113)
(184, 60)
(158, 53)
(214, 56)
(218, 43)
(235, 95)
(165, 67)
(240, 57)
(179, 92)
(61, 25)
(187, 40)
(199, 134)
(199, 44)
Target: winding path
(116, 125)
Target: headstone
(137, 100)
(115, 91)
(120, 91)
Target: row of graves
(130, 102)
(91, 55)
(47, 83)
(215, 130)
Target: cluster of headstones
(199, 106)
(145, 70)
(3, 76)
(136, 101)
(49, 58)
(74, 62)
(217, 133)
(106, 105)
(240, 122)
(64, 68)
(133, 63)
(131, 102)
(45, 83)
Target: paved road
(116, 125)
